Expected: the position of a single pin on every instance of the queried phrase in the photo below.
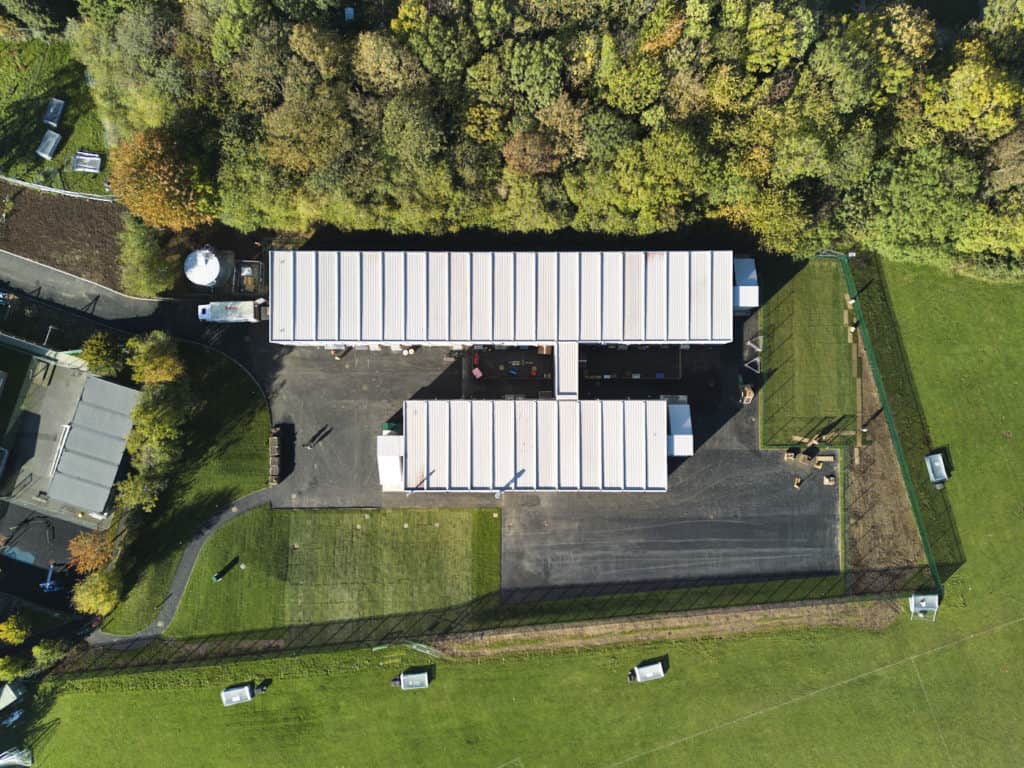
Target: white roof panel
(569, 296)
(590, 296)
(700, 300)
(721, 295)
(567, 371)
(568, 445)
(327, 295)
(372, 320)
(459, 276)
(482, 314)
(305, 295)
(492, 297)
(416, 296)
(504, 297)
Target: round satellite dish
(202, 267)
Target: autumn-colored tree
(90, 551)
(154, 358)
(103, 355)
(97, 593)
(158, 183)
(531, 153)
(15, 629)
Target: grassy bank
(31, 73)
(809, 386)
(304, 567)
(226, 459)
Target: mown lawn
(226, 459)
(915, 694)
(31, 72)
(809, 385)
(312, 566)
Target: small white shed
(48, 146)
(10, 695)
(924, 606)
(236, 694)
(680, 430)
(746, 293)
(644, 673)
(390, 453)
(414, 681)
(54, 109)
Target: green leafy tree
(12, 667)
(146, 268)
(531, 153)
(535, 70)
(979, 100)
(629, 86)
(97, 594)
(46, 653)
(776, 37)
(1006, 162)
(492, 20)
(384, 66)
(103, 355)
(15, 629)
(154, 358)
(137, 492)
(32, 14)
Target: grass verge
(32, 72)
(809, 387)
(313, 566)
(226, 459)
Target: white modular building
(535, 445)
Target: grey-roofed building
(92, 446)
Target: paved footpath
(138, 315)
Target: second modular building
(561, 299)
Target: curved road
(133, 314)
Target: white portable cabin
(230, 312)
(414, 681)
(48, 146)
(924, 606)
(54, 109)
(746, 293)
(647, 672)
(680, 430)
(86, 162)
(936, 469)
(390, 454)
(236, 694)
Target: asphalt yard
(731, 510)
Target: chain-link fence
(558, 605)
(903, 413)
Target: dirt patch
(78, 236)
(873, 615)
(881, 535)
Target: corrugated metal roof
(568, 445)
(456, 297)
(91, 454)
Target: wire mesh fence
(499, 610)
(901, 405)
(560, 605)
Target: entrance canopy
(535, 445)
(446, 297)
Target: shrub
(90, 551)
(103, 355)
(48, 652)
(13, 667)
(15, 629)
(146, 270)
(154, 358)
(97, 593)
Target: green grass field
(809, 386)
(915, 694)
(31, 72)
(226, 459)
(312, 566)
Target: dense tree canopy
(807, 129)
